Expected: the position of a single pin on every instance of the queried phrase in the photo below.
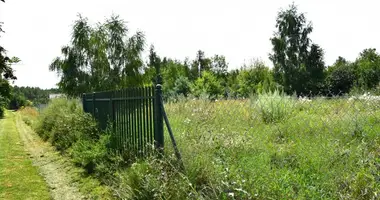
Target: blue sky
(239, 29)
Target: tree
(219, 66)
(340, 77)
(208, 84)
(368, 69)
(254, 78)
(232, 83)
(298, 64)
(199, 65)
(6, 74)
(150, 71)
(100, 58)
(182, 86)
(171, 71)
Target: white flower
(231, 194)
(187, 121)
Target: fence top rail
(119, 90)
(119, 98)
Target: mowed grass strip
(19, 179)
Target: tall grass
(273, 106)
(280, 147)
(268, 147)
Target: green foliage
(171, 70)
(298, 64)
(208, 85)
(88, 153)
(219, 66)
(368, 69)
(153, 179)
(6, 74)
(232, 86)
(34, 94)
(63, 123)
(340, 77)
(254, 79)
(182, 86)
(199, 65)
(321, 148)
(100, 58)
(274, 106)
(4, 95)
(17, 101)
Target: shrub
(63, 122)
(274, 106)
(182, 86)
(208, 85)
(255, 79)
(340, 77)
(3, 102)
(88, 153)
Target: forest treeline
(107, 57)
(29, 96)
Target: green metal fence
(133, 114)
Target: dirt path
(55, 169)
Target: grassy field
(18, 178)
(276, 147)
(267, 147)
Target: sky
(240, 30)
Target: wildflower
(187, 121)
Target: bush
(63, 122)
(255, 79)
(89, 153)
(208, 85)
(274, 106)
(340, 77)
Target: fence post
(158, 118)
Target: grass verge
(19, 178)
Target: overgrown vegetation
(278, 147)
(268, 146)
(267, 143)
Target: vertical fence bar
(113, 113)
(117, 121)
(111, 117)
(84, 102)
(134, 120)
(151, 111)
(159, 123)
(140, 120)
(129, 127)
(93, 105)
(145, 114)
(123, 119)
